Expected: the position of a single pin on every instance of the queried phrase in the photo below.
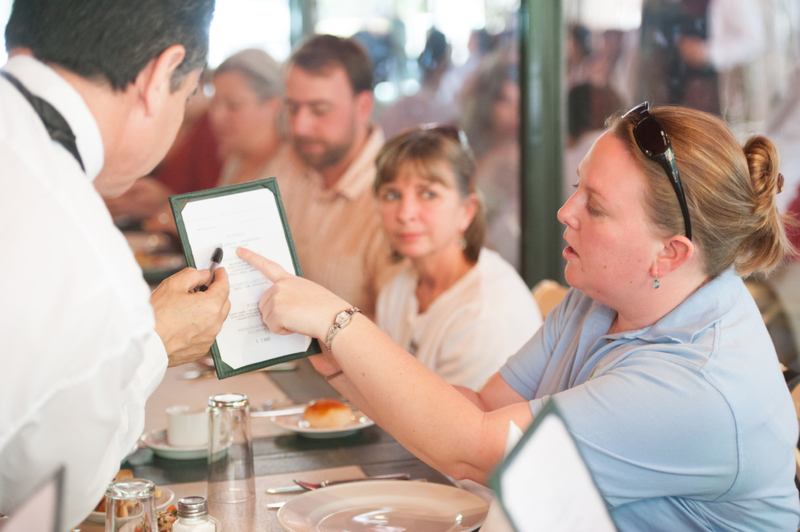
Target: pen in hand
(216, 259)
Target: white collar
(45, 83)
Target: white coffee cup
(187, 426)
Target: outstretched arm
(432, 419)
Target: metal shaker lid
(192, 507)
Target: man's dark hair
(322, 53)
(111, 40)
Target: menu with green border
(249, 215)
(544, 483)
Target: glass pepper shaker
(193, 516)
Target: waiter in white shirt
(91, 99)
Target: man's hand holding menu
(187, 322)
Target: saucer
(156, 441)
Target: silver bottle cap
(192, 507)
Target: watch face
(342, 318)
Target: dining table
(280, 455)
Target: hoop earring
(656, 284)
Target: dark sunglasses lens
(650, 136)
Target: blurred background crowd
(457, 62)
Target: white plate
(390, 505)
(296, 423)
(161, 503)
(131, 527)
(156, 441)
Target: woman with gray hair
(245, 114)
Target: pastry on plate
(328, 414)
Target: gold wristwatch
(340, 322)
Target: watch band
(340, 321)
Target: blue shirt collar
(707, 305)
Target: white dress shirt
(470, 330)
(79, 352)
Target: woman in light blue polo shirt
(657, 358)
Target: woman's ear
(470, 210)
(677, 251)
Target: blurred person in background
(425, 106)
(686, 44)
(480, 45)
(490, 118)
(327, 169)
(85, 113)
(385, 50)
(579, 55)
(458, 307)
(243, 118)
(245, 114)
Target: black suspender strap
(57, 127)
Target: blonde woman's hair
(424, 148)
(730, 191)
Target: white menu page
(248, 219)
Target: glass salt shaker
(193, 516)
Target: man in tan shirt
(327, 171)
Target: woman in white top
(459, 308)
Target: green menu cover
(544, 483)
(247, 215)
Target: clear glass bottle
(193, 516)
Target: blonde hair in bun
(730, 191)
(767, 244)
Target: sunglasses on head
(448, 131)
(652, 139)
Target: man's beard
(333, 153)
